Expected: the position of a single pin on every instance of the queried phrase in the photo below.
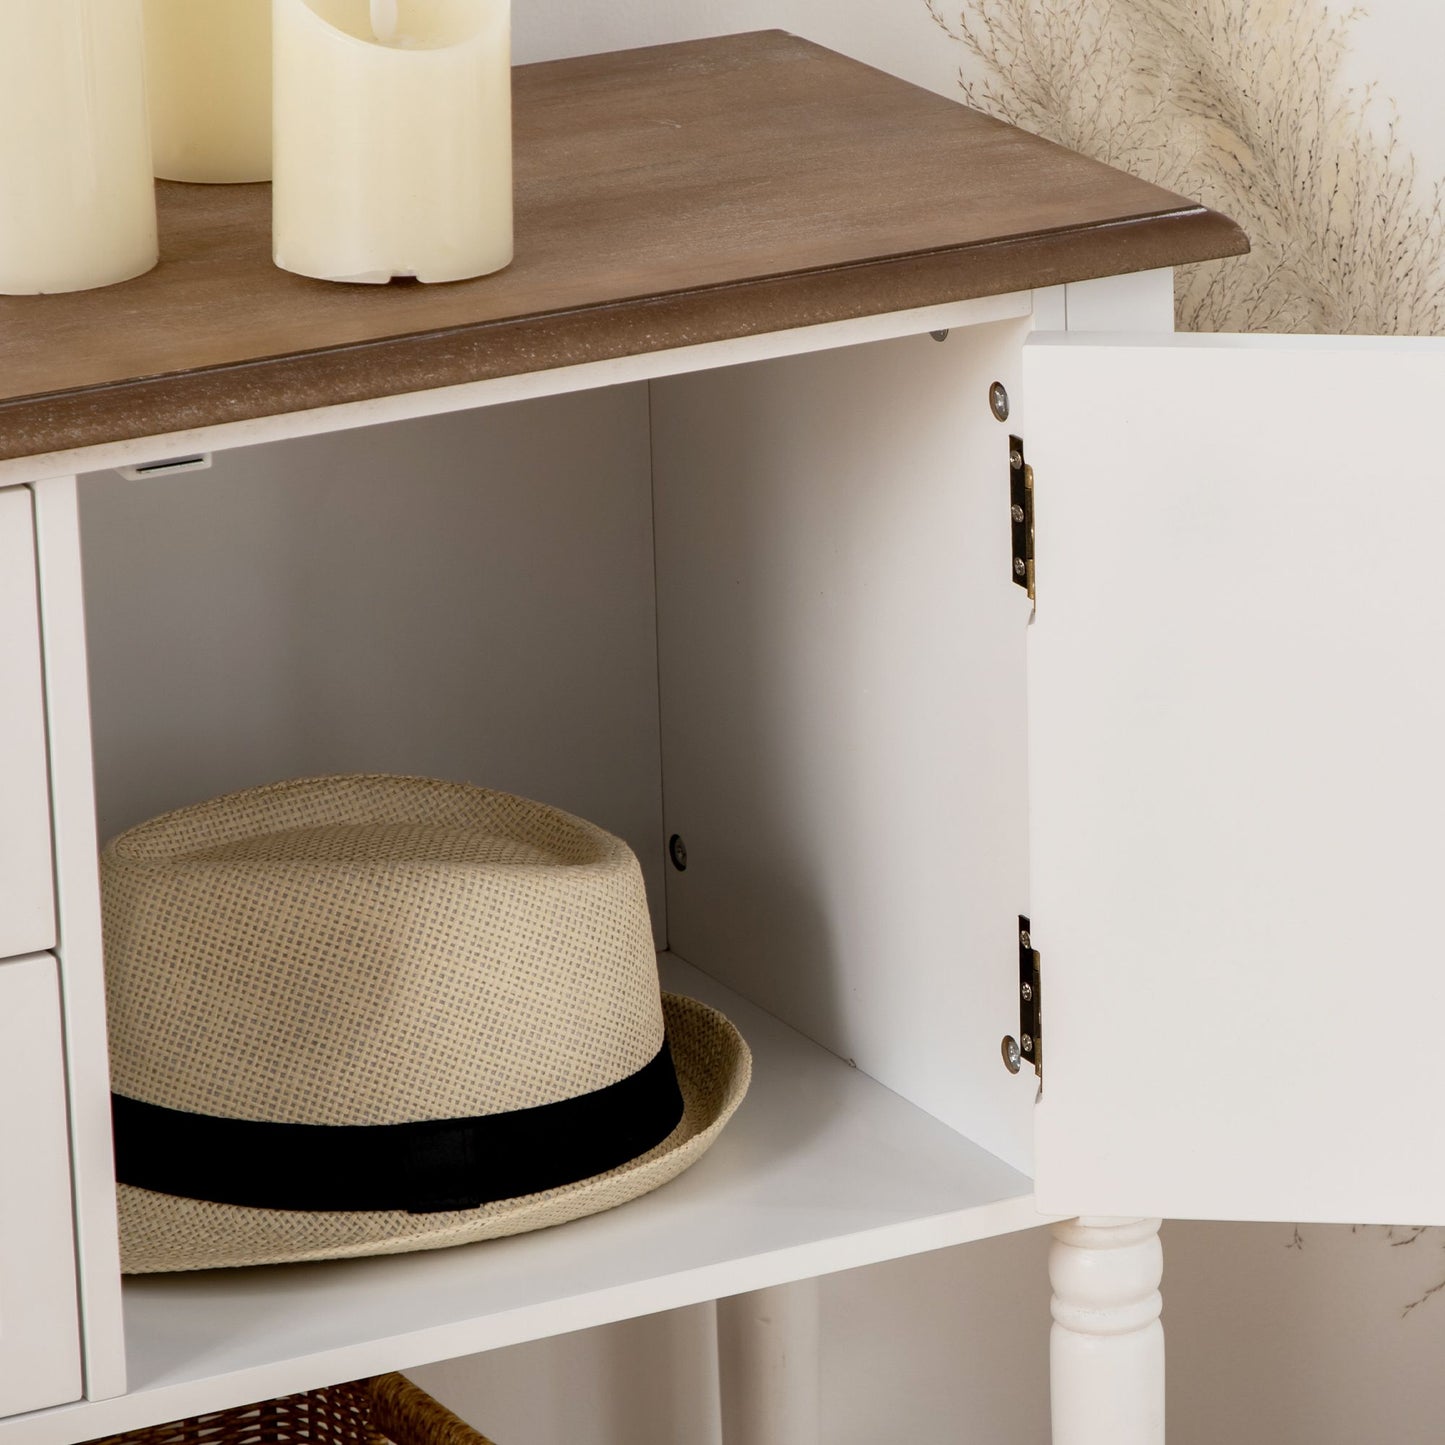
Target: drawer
(39, 1316)
(27, 890)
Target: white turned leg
(1107, 1350)
(767, 1349)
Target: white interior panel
(468, 596)
(39, 1330)
(843, 706)
(1237, 701)
(27, 902)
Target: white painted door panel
(1237, 775)
(39, 1328)
(27, 909)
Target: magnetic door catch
(1021, 515)
(195, 462)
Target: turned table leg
(1107, 1349)
(767, 1345)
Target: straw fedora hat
(371, 1014)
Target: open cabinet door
(1237, 775)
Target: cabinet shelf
(665, 197)
(822, 1169)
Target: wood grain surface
(666, 196)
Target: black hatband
(423, 1167)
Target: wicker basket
(385, 1408)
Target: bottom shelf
(822, 1169)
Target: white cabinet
(849, 750)
(753, 586)
(515, 593)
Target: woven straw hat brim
(161, 1233)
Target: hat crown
(374, 950)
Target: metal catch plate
(1031, 1011)
(1021, 514)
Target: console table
(715, 517)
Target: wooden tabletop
(666, 196)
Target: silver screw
(1019, 567)
(1027, 990)
(1016, 512)
(1024, 940)
(998, 401)
(1012, 1059)
(1015, 459)
(1028, 1043)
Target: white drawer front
(39, 1319)
(27, 907)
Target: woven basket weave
(385, 1408)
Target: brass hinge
(1021, 514)
(1029, 1046)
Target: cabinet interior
(766, 608)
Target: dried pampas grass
(1240, 104)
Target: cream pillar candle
(208, 70)
(77, 202)
(393, 138)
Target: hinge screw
(1020, 567)
(1024, 940)
(677, 851)
(1027, 1043)
(998, 401)
(1012, 1059)
(1015, 459)
(1027, 991)
(1016, 512)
